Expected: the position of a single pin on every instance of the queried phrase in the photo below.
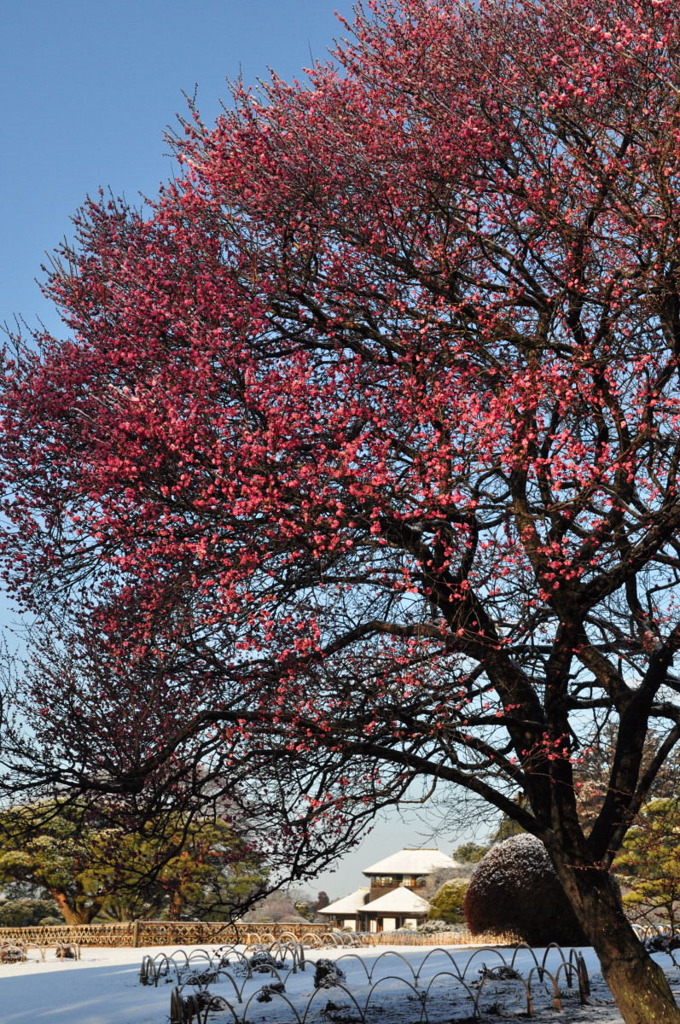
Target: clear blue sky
(88, 88)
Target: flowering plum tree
(366, 435)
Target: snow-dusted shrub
(514, 888)
(447, 902)
(432, 927)
(262, 961)
(327, 974)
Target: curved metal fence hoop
(550, 948)
(359, 959)
(225, 1005)
(571, 967)
(278, 949)
(199, 954)
(232, 951)
(147, 972)
(159, 966)
(177, 953)
(419, 996)
(172, 963)
(271, 969)
(566, 968)
(487, 979)
(253, 947)
(176, 1007)
(448, 956)
(523, 947)
(228, 976)
(541, 971)
(297, 951)
(324, 991)
(481, 952)
(190, 962)
(273, 995)
(583, 981)
(390, 952)
(456, 977)
(257, 940)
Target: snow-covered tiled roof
(399, 901)
(348, 904)
(412, 861)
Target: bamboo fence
(198, 933)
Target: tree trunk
(638, 984)
(70, 914)
(175, 906)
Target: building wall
(382, 884)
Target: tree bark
(71, 915)
(636, 981)
(175, 906)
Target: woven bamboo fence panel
(199, 933)
(159, 933)
(457, 938)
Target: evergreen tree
(171, 868)
(470, 853)
(447, 902)
(649, 864)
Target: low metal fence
(434, 990)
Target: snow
(399, 901)
(103, 988)
(348, 904)
(412, 860)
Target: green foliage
(24, 912)
(305, 908)
(190, 871)
(470, 853)
(649, 864)
(508, 827)
(40, 845)
(176, 868)
(447, 902)
(303, 903)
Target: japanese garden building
(395, 898)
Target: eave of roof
(348, 904)
(398, 901)
(412, 861)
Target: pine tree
(649, 864)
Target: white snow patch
(103, 988)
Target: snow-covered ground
(382, 984)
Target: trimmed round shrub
(514, 888)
